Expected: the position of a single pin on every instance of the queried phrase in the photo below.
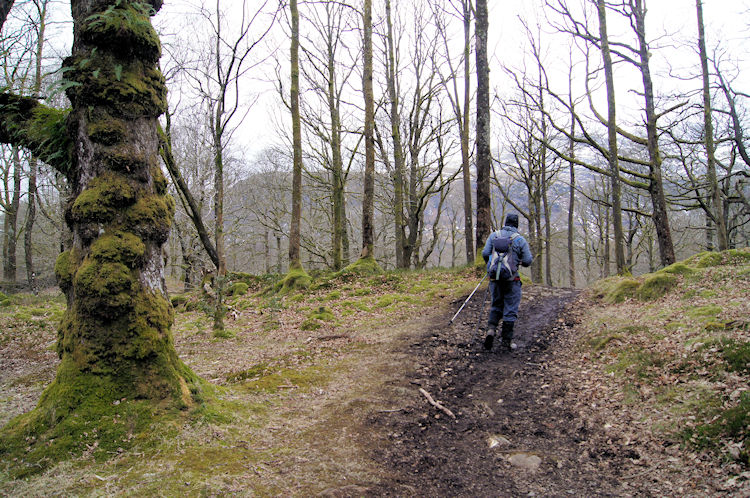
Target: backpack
(503, 264)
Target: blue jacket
(520, 247)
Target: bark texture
(398, 152)
(716, 202)
(614, 167)
(484, 157)
(656, 184)
(294, 232)
(368, 235)
(115, 339)
(465, 153)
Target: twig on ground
(436, 404)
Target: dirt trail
(517, 431)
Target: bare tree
(40, 7)
(483, 152)
(294, 231)
(614, 168)
(369, 178)
(462, 112)
(716, 203)
(216, 76)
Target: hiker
(506, 293)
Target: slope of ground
(319, 393)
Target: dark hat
(511, 220)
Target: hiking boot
(507, 334)
(490, 339)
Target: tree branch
(42, 130)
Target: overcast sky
(671, 25)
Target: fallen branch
(436, 404)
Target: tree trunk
(547, 239)
(715, 200)
(614, 167)
(484, 156)
(28, 246)
(294, 231)
(543, 186)
(572, 195)
(337, 190)
(32, 180)
(278, 254)
(369, 180)
(115, 338)
(465, 153)
(5, 6)
(345, 250)
(221, 268)
(402, 261)
(10, 242)
(267, 253)
(656, 187)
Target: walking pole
(479, 316)
(467, 299)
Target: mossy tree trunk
(115, 338)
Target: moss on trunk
(115, 340)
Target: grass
(677, 344)
(283, 395)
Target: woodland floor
(526, 423)
(338, 411)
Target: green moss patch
(296, 279)
(78, 414)
(103, 199)
(737, 356)
(616, 289)
(121, 247)
(732, 423)
(363, 266)
(678, 269)
(107, 131)
(126, 27)
(316, 318)
(655, 286)
(151, 216)
(637, 362)
(178, 300)
(238, 289)
(706, 313)
(288, 378)
(601, 341)
(731, 257)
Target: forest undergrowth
(295, 377)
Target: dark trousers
(506, 296)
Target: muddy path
(516, 432)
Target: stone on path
(526, 461)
